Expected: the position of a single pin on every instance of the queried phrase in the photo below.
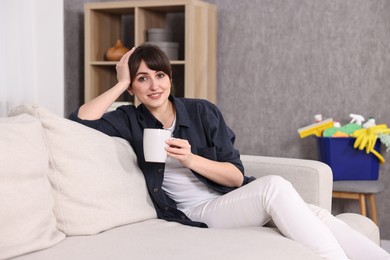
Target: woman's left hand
(223, 173)
(179, 149)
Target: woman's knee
(271, 184)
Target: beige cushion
(159, 239)
(362, 224)
(97, 183)
(27, 222)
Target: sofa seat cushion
(27, 222)
(96, 182)
(159, 239)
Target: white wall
(32, 54)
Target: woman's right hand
(122, 69)
(95, 108)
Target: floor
(386, 245)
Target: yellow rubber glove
(366, 138)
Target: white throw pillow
(96, 180)
(27, 222)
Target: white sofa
(70, 192)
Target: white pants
(272, 197)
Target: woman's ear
(130, 90)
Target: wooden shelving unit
(194, 27)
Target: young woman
(202, 182)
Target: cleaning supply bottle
(370, 122)
(317, 118)
(357, 119)
(336, 124)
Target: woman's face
(151, 87)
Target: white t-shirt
(183, 186)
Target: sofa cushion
(97, 183)
(27, 222)
(362, 224)
(159, 239)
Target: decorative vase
(116, 52)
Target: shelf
(193, 24)
(113, 63)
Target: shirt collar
(182, 117)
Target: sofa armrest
(312, 179)
(362, 224)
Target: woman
(202, 182)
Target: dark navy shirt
(198, 121)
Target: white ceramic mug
(154, 144)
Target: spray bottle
(357, 119)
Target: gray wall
(281, 62)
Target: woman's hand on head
(95, 108)
(122, 69)
(179, 149)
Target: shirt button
(166, 208)
(160, 170)
(155, 190)
(183, 217)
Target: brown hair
(153, 57)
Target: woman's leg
(270, 197)
(355, 245)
